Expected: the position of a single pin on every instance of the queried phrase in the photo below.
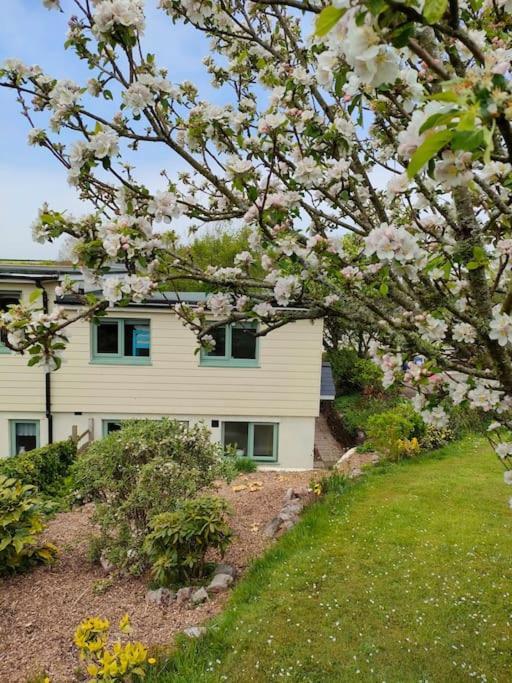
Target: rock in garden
(160, 596)
(184, 595)
(272, 527)
(225, 569)
(199, 596)
(106, 564)
(293, 508)
(289, 495)
(220, 583)
(194, 631)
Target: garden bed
(40, 610)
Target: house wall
(284, 389)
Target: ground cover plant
(403, 576)
(144, 469)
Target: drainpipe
(47, 375)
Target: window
(110, 426)
(24, 435)
(121, 341)
(236, 345)
(6, 299)
(256, 440)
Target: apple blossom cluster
(370, 158)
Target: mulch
(40, 610)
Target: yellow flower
(124, 624)
(151, 660)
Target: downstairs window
(255, 440)
(24, 436)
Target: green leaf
(433, 10)
(438, 119)
(327, 19)
(467, 140)
(447, 96)
(384, 289)
(34, 296)
(428, 149)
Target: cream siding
(286, 383)
(22, 388)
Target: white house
(260, 393)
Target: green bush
(245, 465)
(21, 521)
(140, 471)
(45, 468)
(385, 430)
(435, 437)
(353, 373)
(178, 542)
(356, 409)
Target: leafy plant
(45, 468)
(140, 471)
(386, 430)
(245, 465)
(353, 373)
(178, 541)
(408, 447)
(118, 663)
(21, 522)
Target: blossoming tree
(367, 145)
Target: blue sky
(28, 175)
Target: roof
(157, 300)
(30, 270)
(327, 388)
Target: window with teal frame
(236, 346)
(121, 340)
(7, 299)
(24, 435)
(254, 440)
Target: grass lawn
(406, 576)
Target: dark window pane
(263, 441)
(136, 339)
(25, 436)
(237, 434)
(7, 299)
(113, 427)
(107, 337)
(219, 334)
(243, 342)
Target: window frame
(118, 358)
(227, 361)
(12, 432)
(250, 439)
(13, 294)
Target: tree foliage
(391, 123)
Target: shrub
(121, 662)
(356, 409)
(387, 429)
(140, 471)
(45, 468)
(20, 525)
(179, 540)
(353, 373)
(245, 465)
(435, 437)
(408, 447)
